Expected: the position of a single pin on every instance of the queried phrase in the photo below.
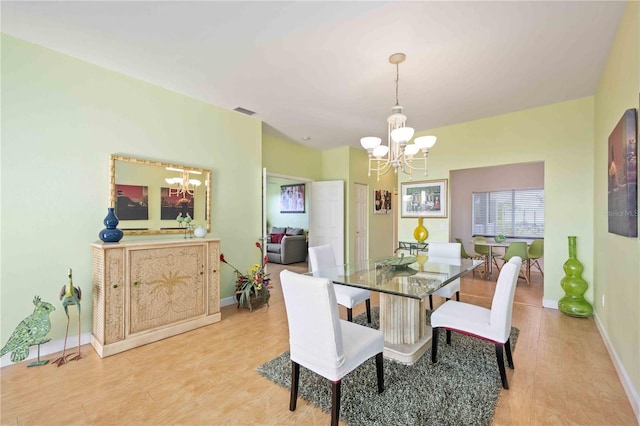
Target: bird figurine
(70, 295)
(31, 331)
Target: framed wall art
(132, 202)
(381, 201)
(424, 199)
(292, 198)
(622, 170)
(173, 205)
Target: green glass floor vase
(573, 303)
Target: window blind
(516, 213)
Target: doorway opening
(463, 184)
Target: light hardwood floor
(207, 376)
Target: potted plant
(252, 288)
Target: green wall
(380, 237)
(61, 118)
(617, 270)
(285, 158)
(291, 159)
(561, 135)
(347, 164)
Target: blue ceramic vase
(111, 234)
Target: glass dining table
(488, 269)
(403, 286)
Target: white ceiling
(321, 70)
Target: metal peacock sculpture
(31, 331)
(70, 295)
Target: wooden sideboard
(145, 291)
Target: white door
(265, 231)
(326, 216)
(360, 209)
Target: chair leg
(526, 274)
(349, 314)
(430, 303)
(434, 344)
(368, 304)
(458, 296)
(295, 378)
(335, 403)
(507, 348)
(448, 337)
(500, 357)
(380, 372)
(537, 265)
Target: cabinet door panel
(214, 277)
(166, 286)
(108, 295)
(114, 296)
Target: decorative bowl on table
(398, 262)
(499, 238)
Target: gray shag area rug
(462, 388)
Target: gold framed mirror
(148, 196)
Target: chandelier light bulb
(370, 142)
(411, 149)
(402, 134)
(380, 151)
(425, 142)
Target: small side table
(412, 247)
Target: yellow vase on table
(420, 233)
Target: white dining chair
(492, 324)
(321, 257)
(449, 253)
(320, 341)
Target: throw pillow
(276, 238)
(276, 230)
(294, 231)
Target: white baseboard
(50, 348)
(550, 303)
(627, 385)
(227, 301)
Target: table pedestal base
(407, 354)
(403, 323)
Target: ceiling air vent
(244, 111)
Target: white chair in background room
(320, 341)
(322, 257)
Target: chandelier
(182, 186)
(398, 153)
